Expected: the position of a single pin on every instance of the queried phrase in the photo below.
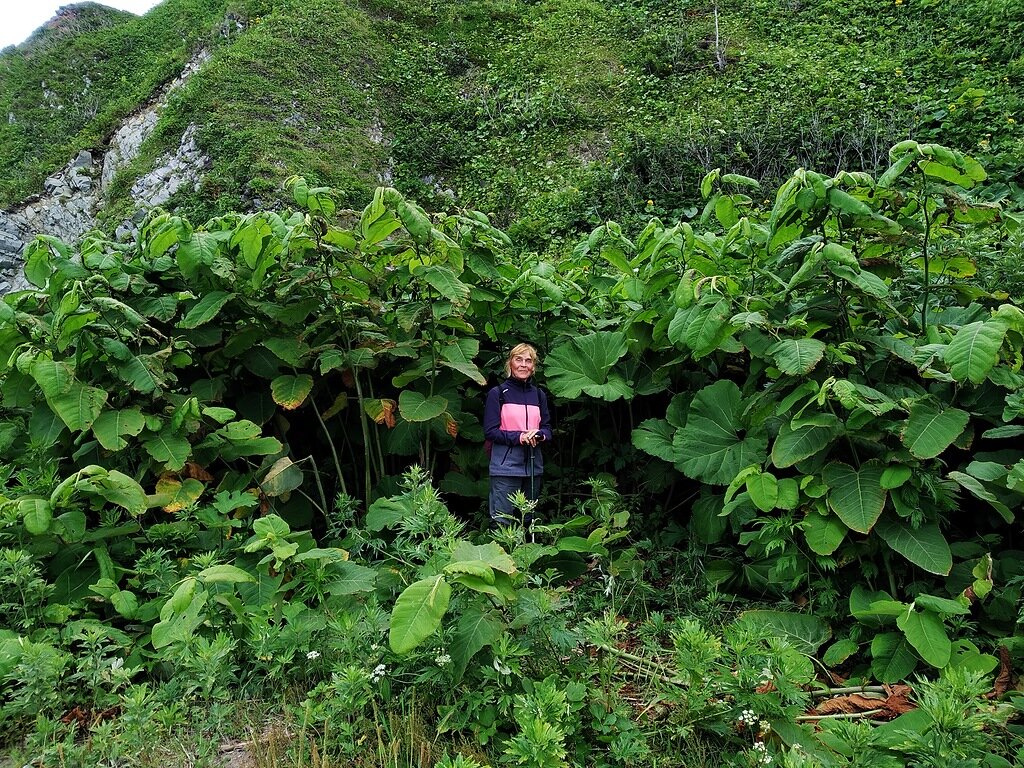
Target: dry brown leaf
(894, 703)
(1005, 677)
(197, 472)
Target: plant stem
(334, 455)
(840, 716)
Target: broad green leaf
(206, 309)
(974, 350)
(224, 574)
(976, 488)
(490, 553)
(892, 658)
(924, 546)
(930, 430)
(36, 514)
(708, 327)
(291, 391)
(168, 448)
(926, 633)
(805, 632)
(174, 495)
(445, 282)
(797, 356)
(348, 578)
(385, 512)
(418, 612)
(764, 491)
(943, 605)
(843, 201)
(583, 364)
(654, 436)
(283, 477)
(477, 568)
(198, 251)
(868, 282)
(111, 427)
(414, 406)
(794, 445)
(79, 407)
(459, 356)
(895, 475)
(824, 533)
(120, 489)
(856, 496)
(476, 629)
(288, 348)
(125, 603)
(137, 374)
(839, 652)
(711, 446)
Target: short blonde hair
(520, 349)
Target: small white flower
(443, 659)
(116, 664)
(378, 673)
(501, 667)
(765, 726)
(313, 655)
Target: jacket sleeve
(492, 422)
(545, 415)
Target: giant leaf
(414, 406)
(168, 448)
(291, 391)
(824, 533)
(924, 546)
(349, 578)
(892, 658)
(445, 282)
(459, 356)
(283, 477)
(206, 309)
(930, 430)
(418, 612)
(584, 364)
(716, 444)
(79, 407)
(111, 427)
(974, 350)
(654, 436)
(805, 632)
(925, 632)
(977, 489)
(856, 496)
(477, 628)
(198, 251)
(812, 436)
(797, 356)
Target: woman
(516, 422)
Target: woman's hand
(528, 438)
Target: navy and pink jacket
(514, 407)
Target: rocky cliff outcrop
(68, 206)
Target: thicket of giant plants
(242, 461)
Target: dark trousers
(501, 508)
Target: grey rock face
(71, 198)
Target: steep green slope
(552, 114)
(69, 85)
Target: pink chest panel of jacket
(516, 417)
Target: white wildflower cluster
(313, 655)
(747, 718)
(442, 659)
(761, 753)
(378, 673)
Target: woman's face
(522, 366)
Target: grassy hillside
(553, 115)
(67, 87)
